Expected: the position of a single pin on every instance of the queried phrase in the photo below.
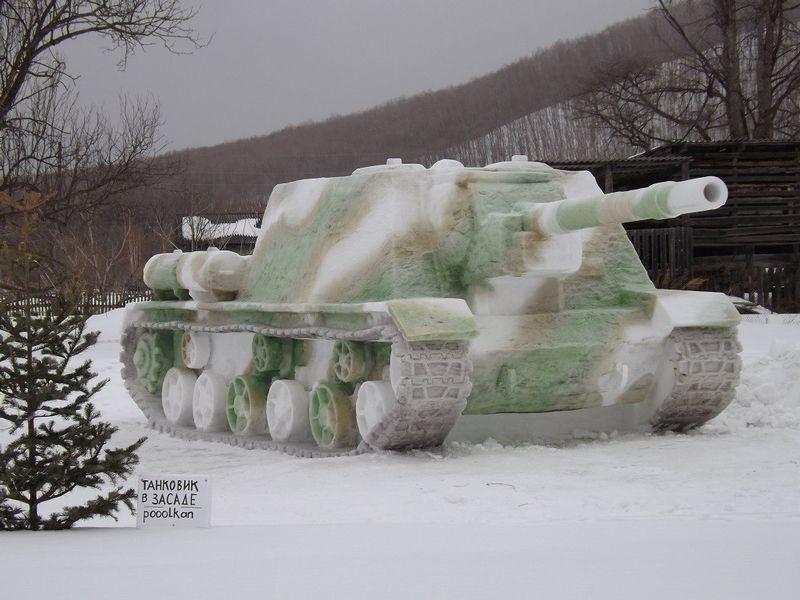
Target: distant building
(226, 231)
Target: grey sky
(274, 63)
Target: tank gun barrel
(659, 201)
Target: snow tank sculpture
(382, 309)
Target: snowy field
(712, 514)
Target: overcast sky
(273, 63)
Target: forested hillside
(422, 127)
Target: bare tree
(104, 253)
(49, 144)
(736, 74)
(185, 214)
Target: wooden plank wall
(763, 208)
(751, 246)
(665, 253)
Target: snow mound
(109, 325)
(768, 395)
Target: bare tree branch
(738, 76)
(49, 144)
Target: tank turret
(396, 306)
(535, 227)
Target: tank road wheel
(351, 361)
(153, 358)
(332, 417)
(245, 406)
(267, 353)
(209, 402)
(373, 402)
(706, 367)
(176, 395)
(195, 349)
(287, 411)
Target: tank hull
(522, 378)
(385, 309)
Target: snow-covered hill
(711, 514)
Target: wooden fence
(90, 303)
(666, 253)
(774, 287)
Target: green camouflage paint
(448, 234)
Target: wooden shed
(750, 247)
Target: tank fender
(429, 319)
(686, 308)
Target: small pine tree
(55, 442)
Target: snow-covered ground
(712, 514)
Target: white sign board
(174, 501)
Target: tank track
(431, 392)
(706, 371)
